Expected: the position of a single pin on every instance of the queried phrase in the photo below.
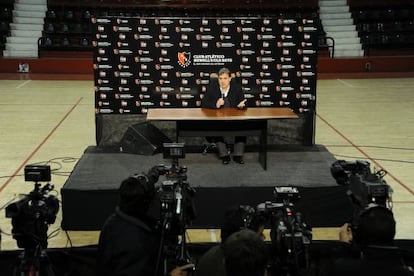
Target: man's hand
(181, 270)
(220, 102)
(242, 104)
(345, 233)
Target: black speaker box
(143, 138)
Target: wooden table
(200, 122)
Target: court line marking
(213, 236)
(366, 155)
(346, 83)
(2, 187)
(23, 84)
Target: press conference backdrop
(156, 62)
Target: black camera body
(32, 214)
(365, 187)
(291, 236)
(175, 191)
(341, 170)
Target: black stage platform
(90, 193)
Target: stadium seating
(68, 27)
(5, 20)
(384, 27)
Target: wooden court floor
(47, 119)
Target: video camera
(175, 192)
(176, 206)
(290, 234)
(365, 187)
(32, 214)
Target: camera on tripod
(365, 187)
(175, 192)
(176, 206)
(291, 236)
(32, 214)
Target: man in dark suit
(224, 93)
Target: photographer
(371, 248)
(129, 242)
(369, 238)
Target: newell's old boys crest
(184, 59)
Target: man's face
(224, 80)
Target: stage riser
(320, 207)
(90, 193)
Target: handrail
(332, 53)
(325, 44)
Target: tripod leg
(20, 265)
(49, 271)
(45, 267)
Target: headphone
(144, 181)
(147, 185)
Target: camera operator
(370, 235)
(212, 262)
(371, 249)
(129, 241)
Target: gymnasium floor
(47, 119)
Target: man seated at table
(222, 92)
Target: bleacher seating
(66, 28)
(188, 4)
(67, 25)
(6, 17)
(385, 27)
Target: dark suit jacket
(235, 95)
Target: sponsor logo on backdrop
(184, 59)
